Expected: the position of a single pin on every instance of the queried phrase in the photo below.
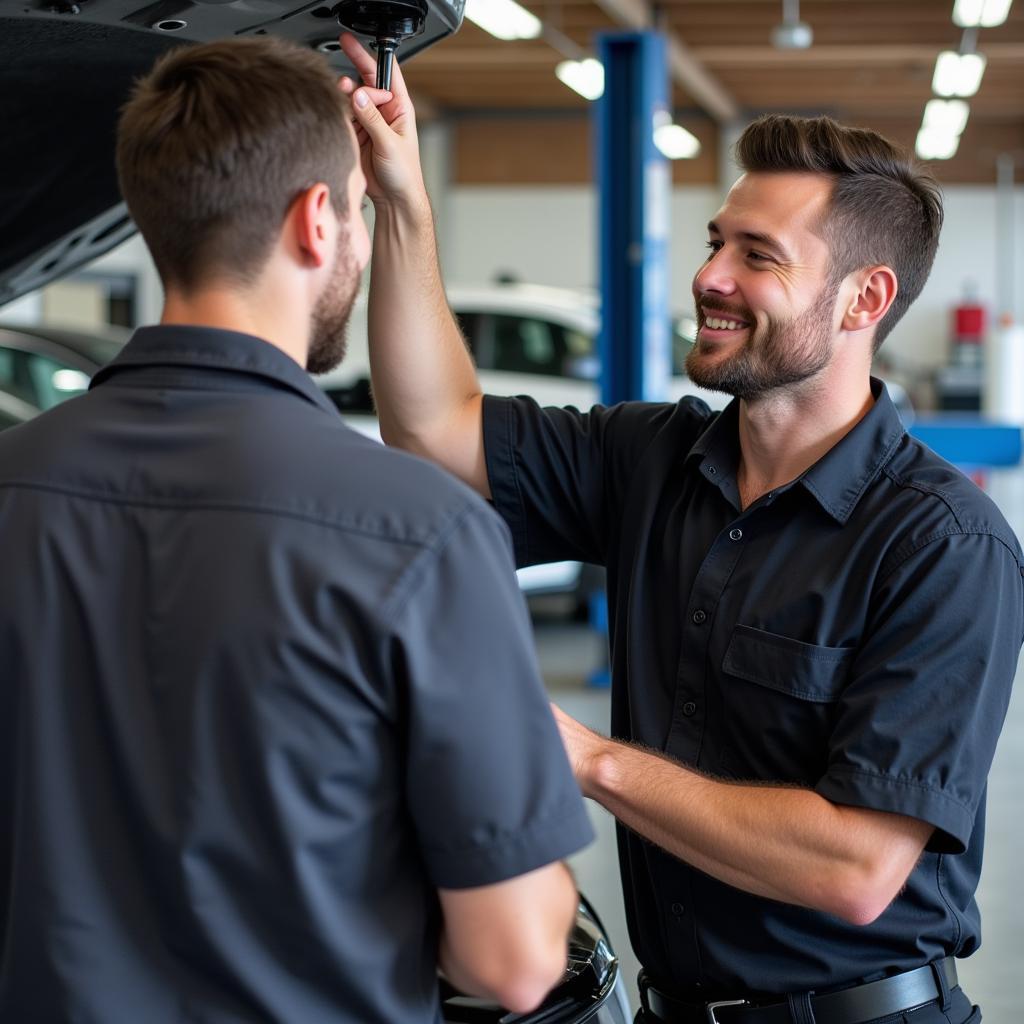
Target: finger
(366, 64)
(378, 96)
(362, 60)
(372, 122)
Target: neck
(250, 311)
(783, 434)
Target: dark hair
(215, 144)
(885, 208)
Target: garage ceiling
(871, 64)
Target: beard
(329, 322)
(783, 353)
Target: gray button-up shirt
(264, 686)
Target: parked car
(42, 366)
(14, 411)
(526, 339)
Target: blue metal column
(634, 189)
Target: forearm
(424, 380)
(507, 941)
(787, 844)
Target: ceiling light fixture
(792, 34)
(958, 74)
(943, 124)
(980, 13)
(946, 116)
(504, 19)
(583, 76)
(673, 140)
(934, 144)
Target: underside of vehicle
(68, 67)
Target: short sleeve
(918, 723)
(489, 785)
(559, 477)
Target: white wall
(133, 257)
(549, 235)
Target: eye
(714, 245)
(757, 257)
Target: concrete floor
(992, 977)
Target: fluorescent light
(949, 116)
(958, 74)
(936, 144)
(503, 18)
(676, 142)
(980, 13)
(583, 76)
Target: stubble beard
(328, 338)
(785, 353)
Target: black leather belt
(866, 1002)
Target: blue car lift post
(634, 192)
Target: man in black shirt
(814, 620)
(272, 735)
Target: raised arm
(424, 382)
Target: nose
(716, 275)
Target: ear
(313, 225)
(876, 289)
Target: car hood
(66, 68)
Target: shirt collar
(838, 479)
(217, 349)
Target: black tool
(387, 23)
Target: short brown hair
(885, 208)
(215, 144)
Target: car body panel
(67, 67)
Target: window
(528, 345)
(470, 324)
(39, 380)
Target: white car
(526, 340)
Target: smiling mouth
(718, 323)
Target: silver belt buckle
(712, 1007)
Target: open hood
(66, 68)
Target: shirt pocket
(780, 698)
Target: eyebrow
(765, 241)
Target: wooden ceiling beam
(686, 69)
(830, 56)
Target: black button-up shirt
(264, 686)
(855, 632)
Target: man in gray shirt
(273, 742)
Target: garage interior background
(507, 147)
(508, 158)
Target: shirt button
(712, 470)
(689, 708)
(700, 616)
(678, 909)
(736, 534)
